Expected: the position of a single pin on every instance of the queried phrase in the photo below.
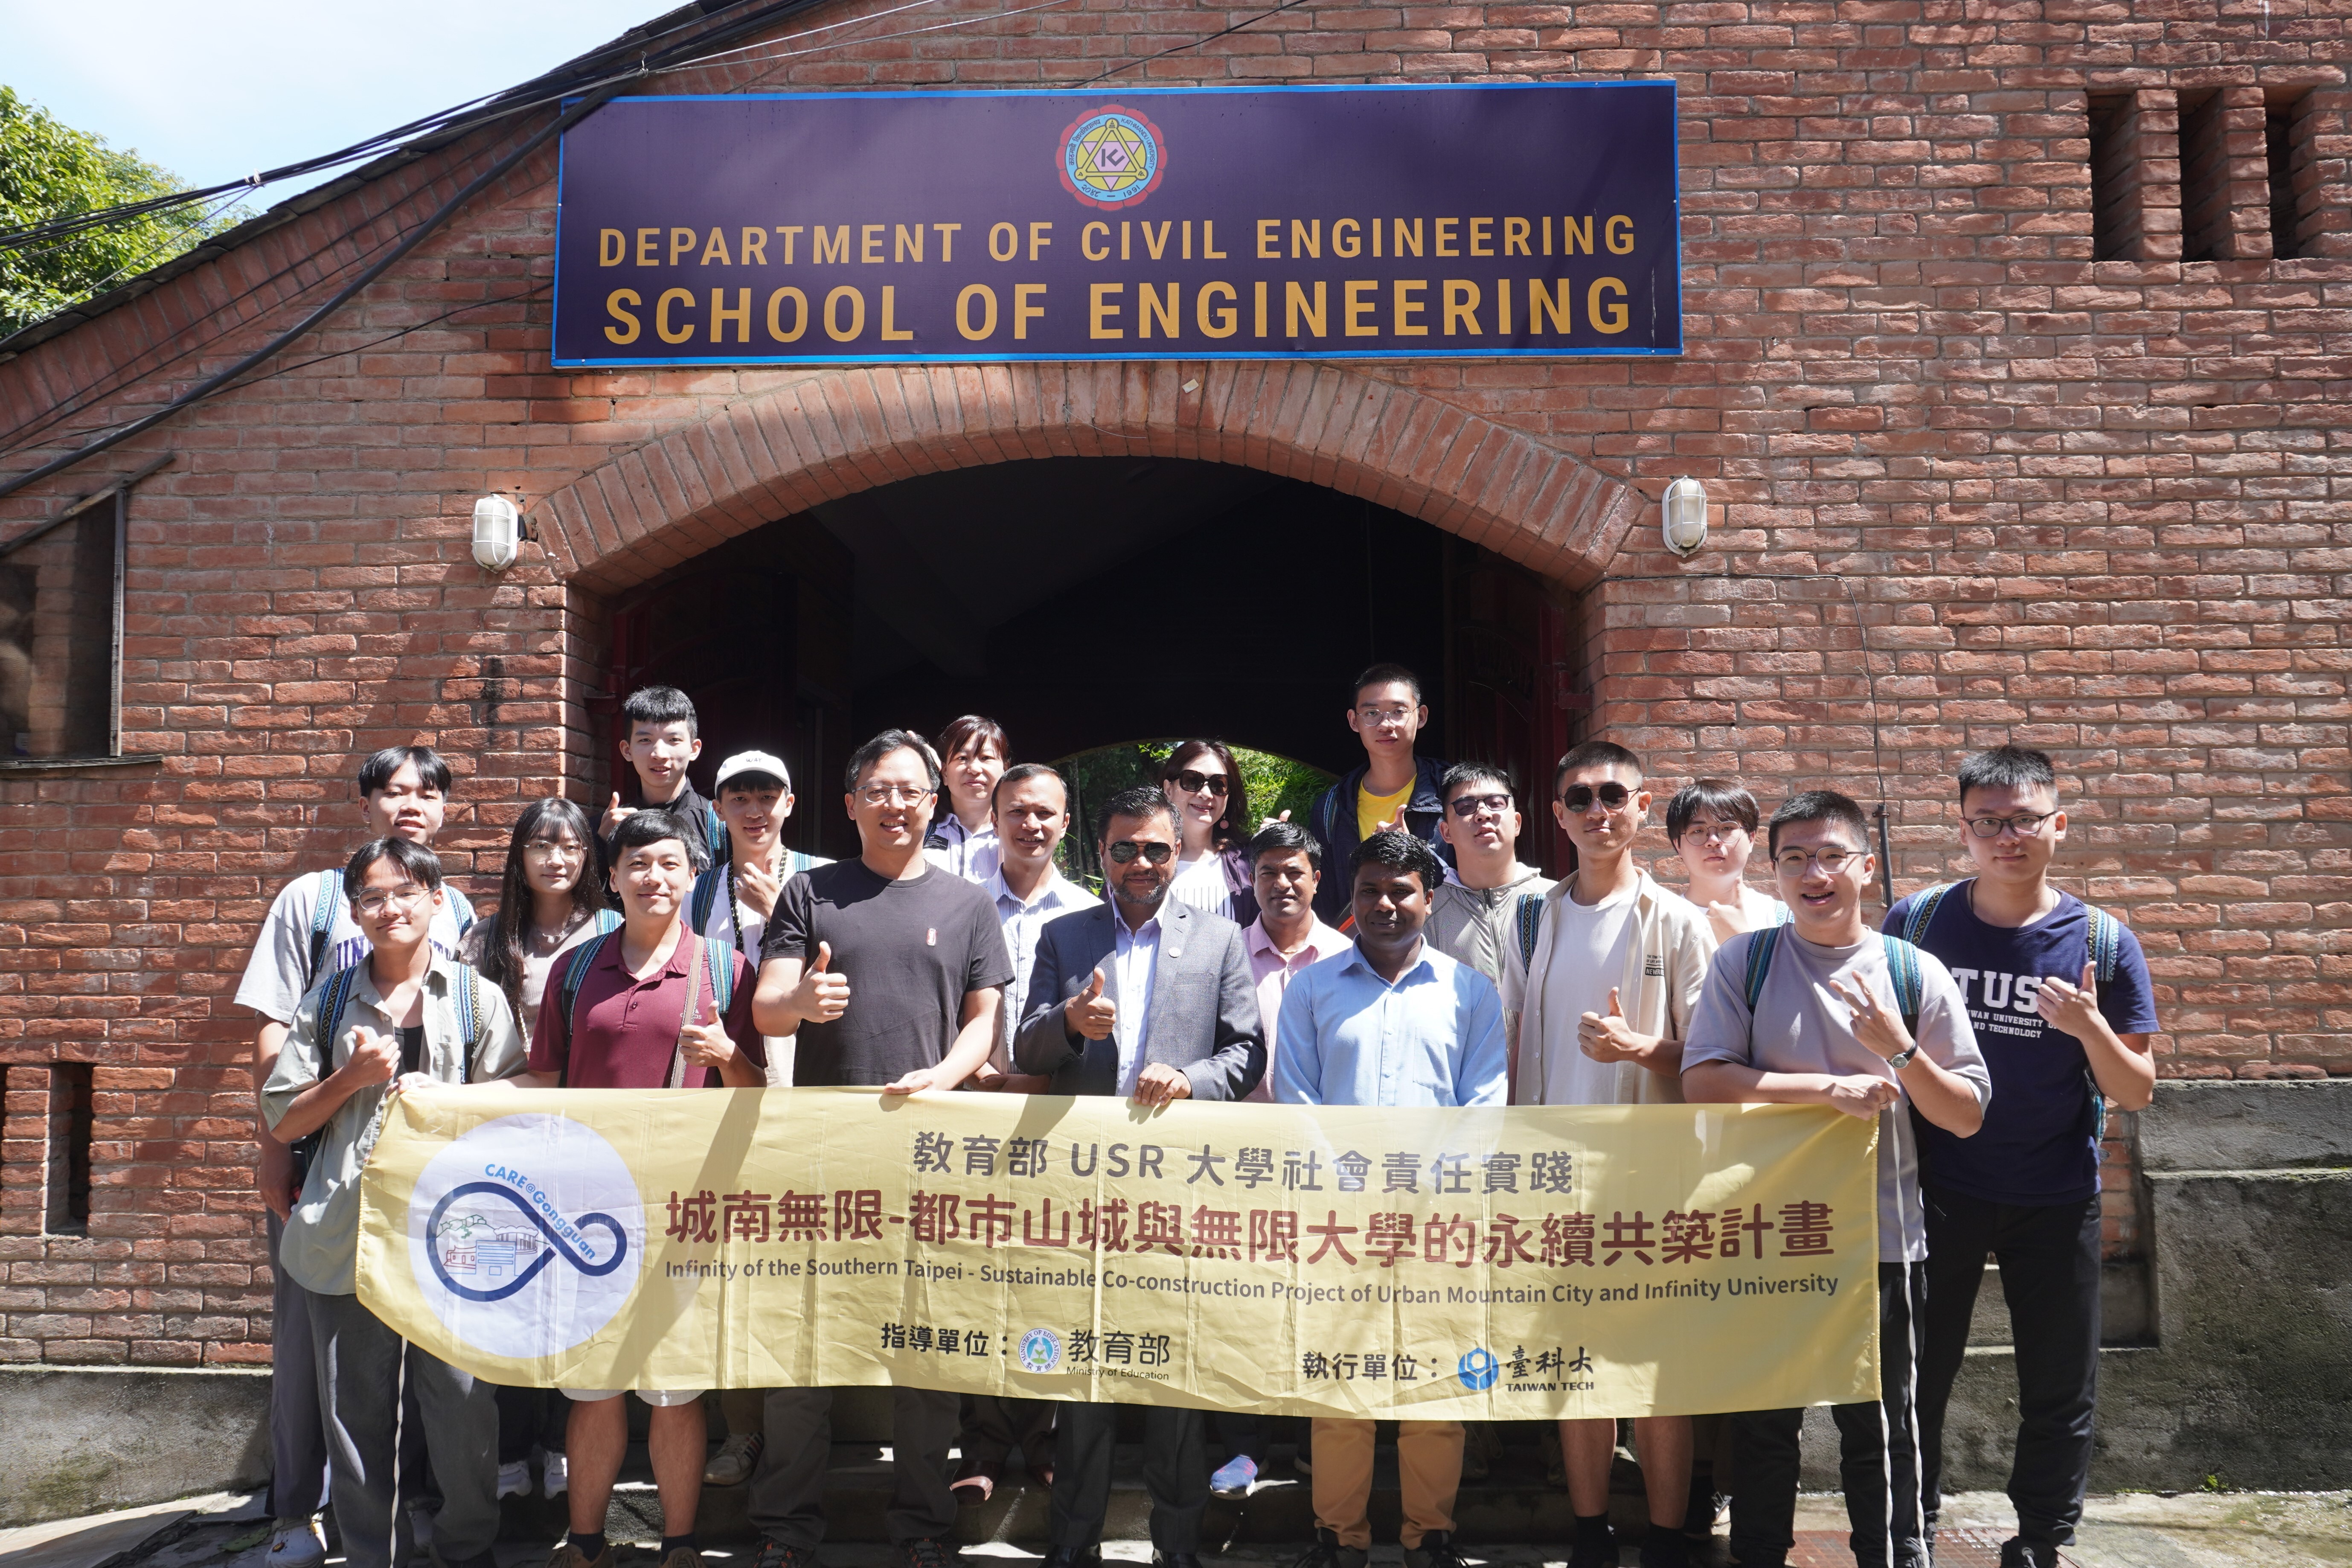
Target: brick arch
(779, 452)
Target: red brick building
(2016, 361)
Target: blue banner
(1255, 223)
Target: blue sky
(213, 89)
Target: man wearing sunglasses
(1149, 998)
(1604, 1002)
(1484, 915)
(1828, 1026)
(891, 970)
(2059, 997)
(1393, 789)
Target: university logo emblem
(1112, 158)
(1041, 1351)
(1479, 1369)
(527, 1235)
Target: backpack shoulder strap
(331, 1002)
(323, 915)
(2106, 934)
(1922, 913)
(1530, 921)
(1760, 944)
(576, 972)
(705, 900)
(1902, 973)
(607, 920)
(715, 832)
(719, 959)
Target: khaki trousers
(1429, 1473)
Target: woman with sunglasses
(1205, 785)
(551, 899)
(1712, 824)
(973, 754)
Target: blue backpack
(1902, 969)
(717, 963)
(335, 995)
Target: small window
(2286, 140)
(2204, 181)
(2115, 195)
(60, 636)
(66, 1185)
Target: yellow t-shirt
(1374, 812)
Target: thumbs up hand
(614, 815)
(1610, 1039)
(1090, 1014)
(2073, 1008)
(822, 996)
(706, 1045)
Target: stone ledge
(79, 1440)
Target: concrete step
(2126, 1314)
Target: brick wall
(2093, 505)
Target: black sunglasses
(1124, 852)
(1193, 782)
(1580, 798)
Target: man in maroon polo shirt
(644, 1015)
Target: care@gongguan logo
(1112, 158)
(527, 1235)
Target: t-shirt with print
(621, 1031)
(2038, 1143)
(910, 950)
(1798, 1027)
(278, 975)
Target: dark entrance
(1081, 601)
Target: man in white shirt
(1604, 1003)
(1029, 809)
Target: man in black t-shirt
(891, 972)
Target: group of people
(1392, 951)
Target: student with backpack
(1486, 914)
(660, 738)
(309, 933)
(1821, 1012)
(1604, 1003)
(404, 1013)
(2061, 1000)
(651, 1005)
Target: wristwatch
(1901, 1058)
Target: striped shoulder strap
(1922, 913)
(718, 958)
(607, 920)
(574, 973)
(1902, 973)
(337, 996)
(1780, 915)
(1529, 917)
(715, 832)
(705, 897)
(1760, 946)
(2106, 943)
(323, 915)
(797, 861)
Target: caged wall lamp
(1685, 510)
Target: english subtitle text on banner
(1471, 1264)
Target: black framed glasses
(2025, 824)
(1580, 798)
(1193, 782)
(1124, 852)
(1831, 859)
(1467, 807)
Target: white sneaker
(736, 1459)
(554, 1476)
(296, 1544)
(514, 1480)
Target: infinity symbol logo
(485, 1254)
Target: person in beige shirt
(1618, 968)
(1486, 914)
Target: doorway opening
(1083, 602)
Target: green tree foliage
(1276, 785)
(49, 170)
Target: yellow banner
(1476, 1264)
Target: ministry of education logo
(526, 1235)
(1112, 158)
(1041, 1351)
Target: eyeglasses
(1124, 852)
(894, 794)
(408, 897)
(1831, 859)
(554, 850)
(1469, 805)
(1710, 831)
(1193, 782)
(1372, 715)
(2025, 824)
(1580, 798)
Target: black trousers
(994, 1425)
(2050, 1265)
(1878, 1446)
(530, 1417)
(1175, 1472)
(788, 1487)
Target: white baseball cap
(752, 763)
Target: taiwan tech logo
(1479, 1369)
(1112, 158)
(527, 1235)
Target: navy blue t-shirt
(2038, 1144)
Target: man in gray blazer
(1147, 997)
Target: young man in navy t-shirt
(2063, 1006)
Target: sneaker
(736, 1459)
(296, 1544)
(569, 1556)
(514, 1480)
(1327, 1552)
(1597, 1554)
(774, 1553)
(2019, 1552)
(1436, 1550)
(1234, 1477)
(931, 1552)
(555, 1475)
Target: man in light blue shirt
(1391, 1021)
